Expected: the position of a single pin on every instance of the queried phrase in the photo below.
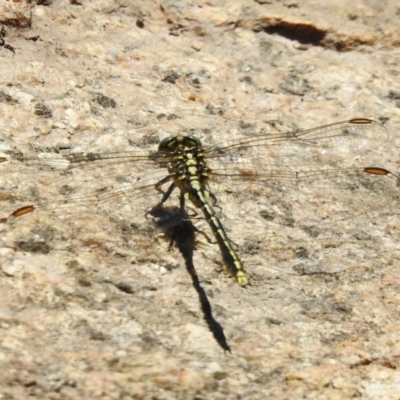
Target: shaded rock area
(93, 303)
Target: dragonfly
(318, 168)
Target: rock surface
(93, 306)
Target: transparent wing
(75, 183)
(324, 145)
(312, 197)
(74, 161)
(304, 170)
(271, 175)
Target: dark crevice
(302, 33)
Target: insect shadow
(177, 226)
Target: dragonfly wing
(63, 188)
(307, 196)
(324, 145)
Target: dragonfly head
(171, 144)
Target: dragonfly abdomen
(190, 174)
(231, 260)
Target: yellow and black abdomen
(189, 172)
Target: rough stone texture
(92, 305)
